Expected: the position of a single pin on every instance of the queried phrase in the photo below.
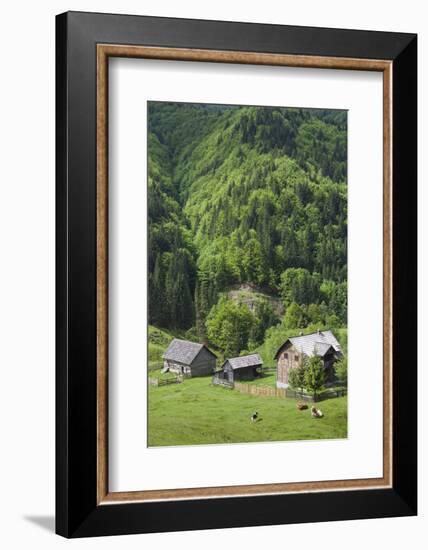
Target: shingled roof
(317, 343)
(184, 351)
(252, 360)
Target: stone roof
(184, 351)
(317, 343)
(252, 360)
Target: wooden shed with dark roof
(295, 349)
(189, 358)
(246, 367)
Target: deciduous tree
(341, 370)
(314, 375)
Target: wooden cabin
(294, 350)
(189, 358)
(242, 368)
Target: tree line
(245, 195)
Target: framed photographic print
(236, 274)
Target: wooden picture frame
(84, 505)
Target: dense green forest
(252, 199)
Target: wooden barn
(188, 358)
(241, 368)
(294, 350)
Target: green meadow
(197, 413)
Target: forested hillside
(246, 196)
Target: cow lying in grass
(316, 413)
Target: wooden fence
(299, 395)
(260, 390)
(164, 381)
(269, 391)
(217, 381)
(332, 393)
(326, 394)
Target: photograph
(247, 273)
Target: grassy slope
(195, 412)
(268, 379)
(159, 340)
